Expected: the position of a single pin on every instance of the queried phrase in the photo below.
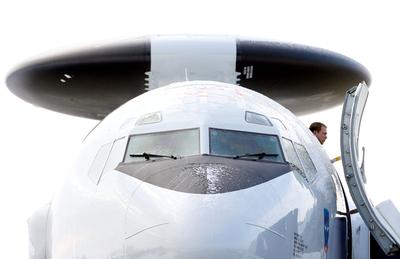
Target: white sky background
(38, 145)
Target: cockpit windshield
(239, 144)
(176, 143)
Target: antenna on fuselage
(186, 76)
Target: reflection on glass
(252, 117)
(237, 143)
(309, 167)
(178, 143)
(291, 154)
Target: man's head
(319, 130)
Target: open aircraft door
(383, 221)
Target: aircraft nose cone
(207, 240)
(233, 225)
(242, 221)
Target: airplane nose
(209, 207)
(243, 224)
(208, 240)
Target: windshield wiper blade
(258, 155)
(148, 155)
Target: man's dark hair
(316, 126)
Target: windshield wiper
(148, 155)
(258, 155)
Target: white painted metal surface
(124, 217)
(381, 229)
(180, 59)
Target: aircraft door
(383, 220)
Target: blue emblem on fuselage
(326, 229)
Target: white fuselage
(106, 209)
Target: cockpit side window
(298, 156)
(233, 143)
(309, 167)
(116, 154)
(96, 169)
(106, 159)
(176, 143)
(291, 154)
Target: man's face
(321, 135)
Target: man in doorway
(319, 130)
